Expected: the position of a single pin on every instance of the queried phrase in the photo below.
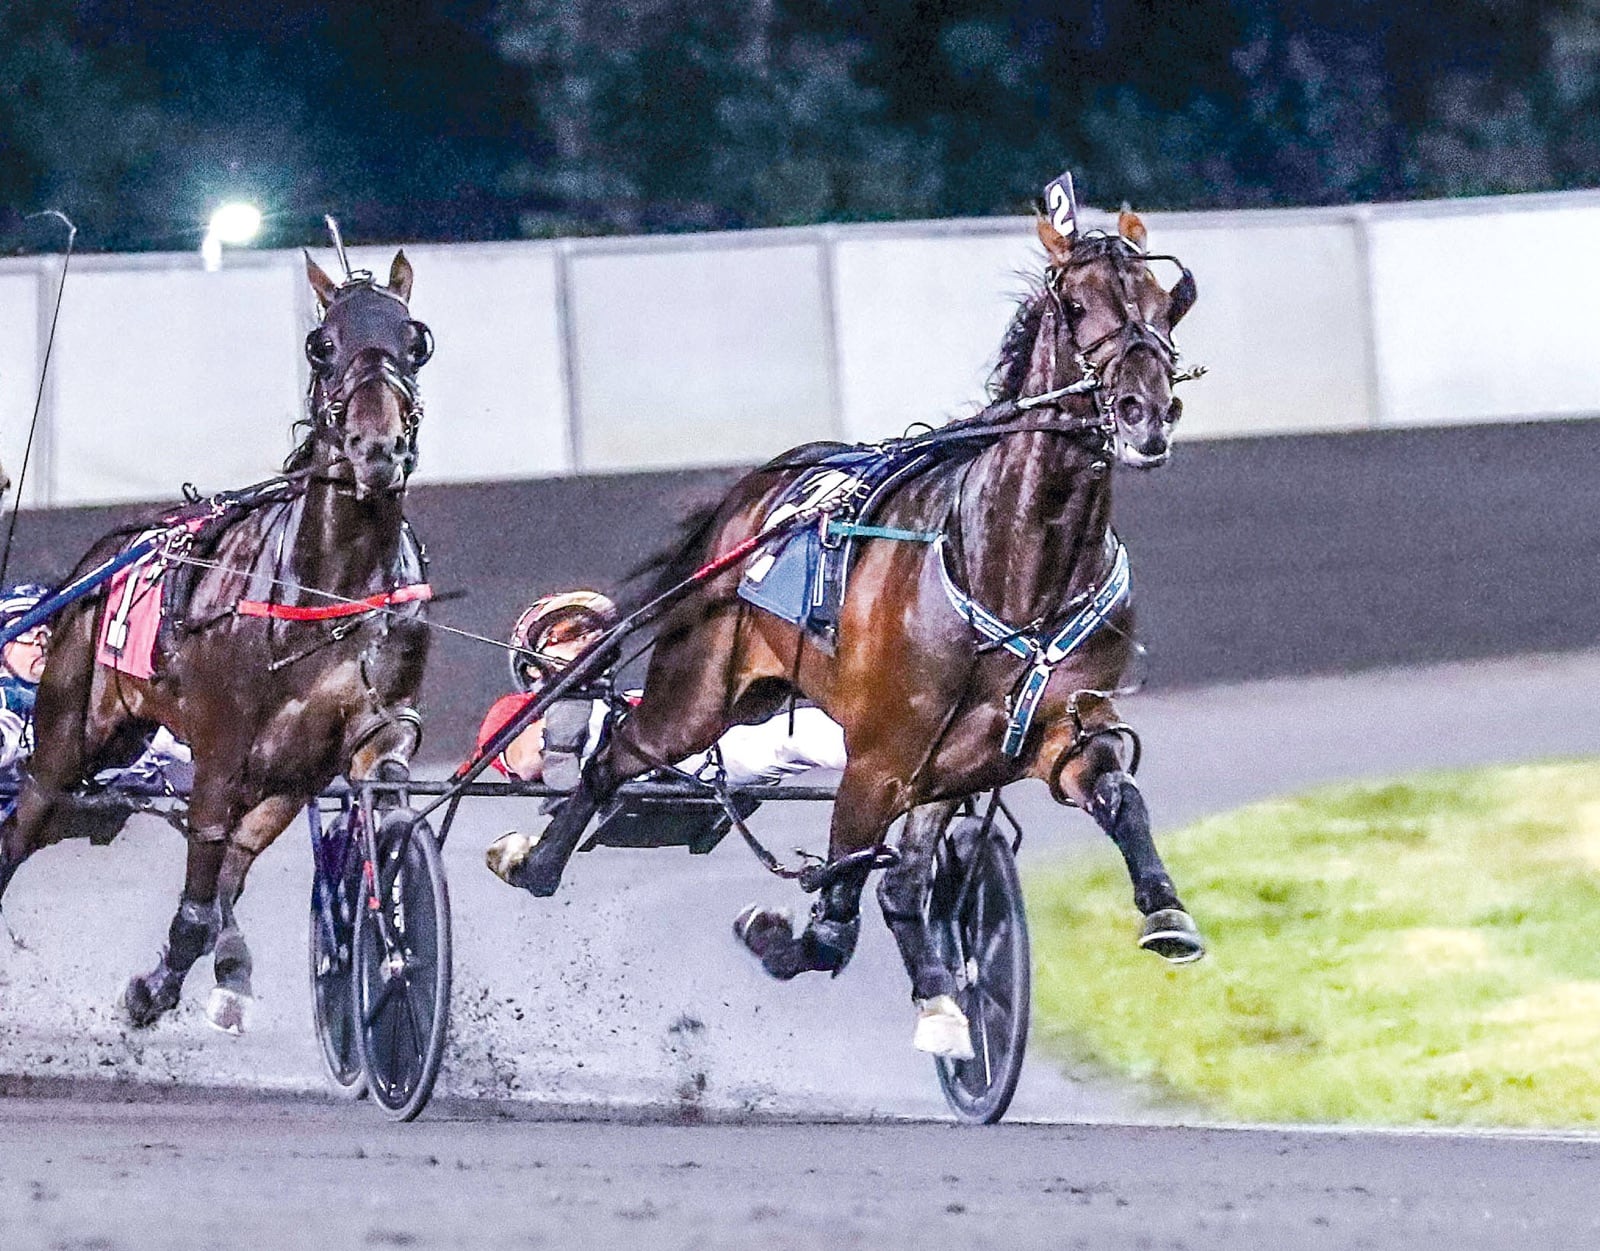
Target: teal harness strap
(853, 530)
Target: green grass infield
(1410, 952)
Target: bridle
(332, 387)
(1132, 332)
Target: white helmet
(549, 620)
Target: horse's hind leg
(1094, 779)
(232, 961)
(862, 811)
(193, 932)
(903, 892)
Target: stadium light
(235, 224)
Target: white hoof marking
(226, 1010)
(943, 1029)
(507, 853)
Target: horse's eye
(1075, 308)
(420, 349)
(320, 350)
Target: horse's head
(1109, 319)
(365, 354)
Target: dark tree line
(492, 118)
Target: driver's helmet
(554, 619)
(17, 600)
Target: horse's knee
(1115, 798)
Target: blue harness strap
(1044, 653)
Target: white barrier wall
(617, 354)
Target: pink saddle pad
(132, 616)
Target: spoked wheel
(981, 928)
(402, 969)
(335, 893)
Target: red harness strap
(417, 591)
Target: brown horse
(279, 696)
(924, 697)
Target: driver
(163, 767)
(21, 664)
(553, 749)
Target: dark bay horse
(1024, 536)
(274, 676)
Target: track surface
(627, 989)
(259, 1173)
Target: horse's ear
(323, 285)
(1182, 298)
(400, 276)
(1131, 228)
(1057, 246)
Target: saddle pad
(800, 581)
(131, 617)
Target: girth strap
(1044, 653)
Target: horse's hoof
(508, 853)
(761, 929)
(226, 1010)
(943, 1029)
(1172, 934)
(144, 1005)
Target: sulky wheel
(402, 969)
(335, 892)
(981, 929)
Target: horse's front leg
(219, 861)
(193, 931)
(903, 892)
(1093, 778)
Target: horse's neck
(345, 546)
(1034, 515)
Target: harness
(1095, 608)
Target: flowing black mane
(301, 458)
(1016, 349)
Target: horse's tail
(672, 564)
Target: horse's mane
(302, 455)
(1016, 349)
